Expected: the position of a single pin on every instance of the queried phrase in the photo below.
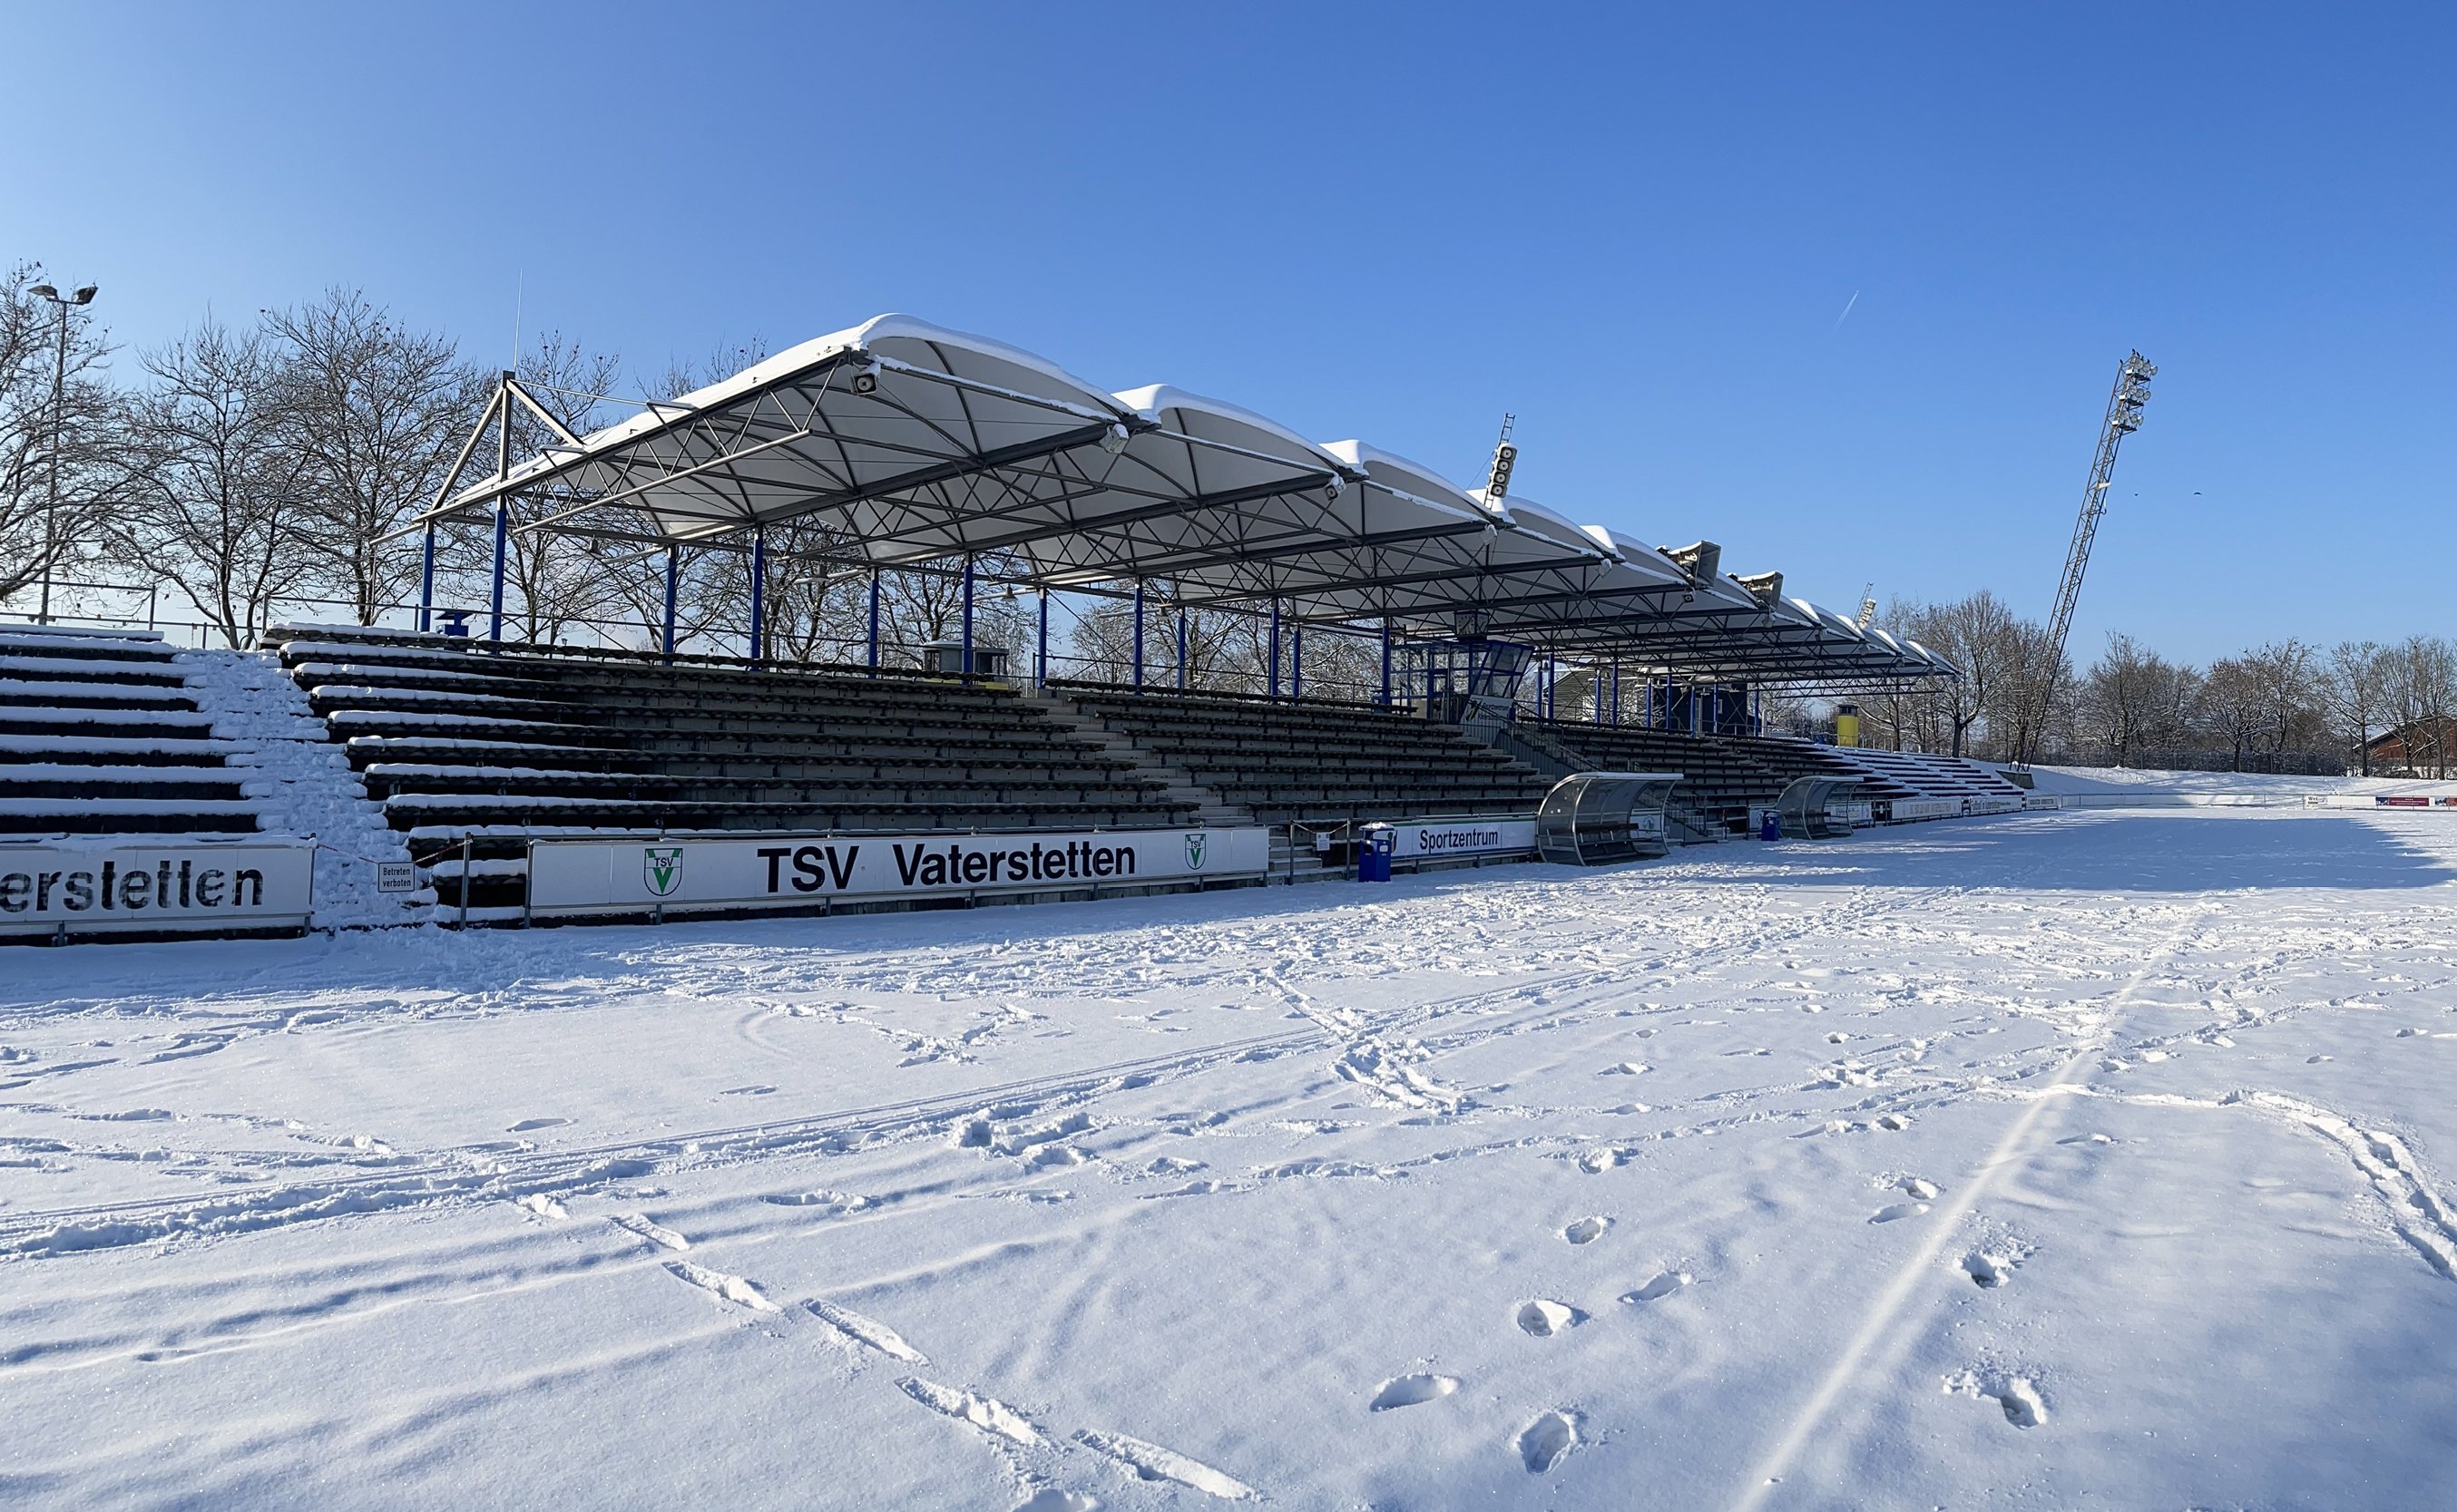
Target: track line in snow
(1870, 1345)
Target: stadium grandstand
(1510, 645)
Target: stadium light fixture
(865, 377)
(59, 425)
(1113, 441)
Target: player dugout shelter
(924, 449)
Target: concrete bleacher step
(101, 735)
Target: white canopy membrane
(913, 446)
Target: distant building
(2427, 747)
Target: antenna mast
(2123, 418)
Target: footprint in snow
(1409, 1391)
(1987, 1270)
(2019, 1398)
(1542, 1319)
(731, 1288)
(1662, 1286)
(1896, 1122)
(1586, 1231)
(1542, 1444)
(530, 1124)
(1049, 1498)
(656, 1234)
(1893, 1211)
(1923, 1190)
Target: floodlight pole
(1139, 633)
(759, 594)
(59, 428)
(674, 587)
(873, 619)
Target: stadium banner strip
(643, 872)
(1471, 837)
(120, 883)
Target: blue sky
(1636, 226)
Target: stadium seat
(473, 747)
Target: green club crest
(662, 867)
(1194, 848)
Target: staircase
(1288, 864)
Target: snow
(2082, 1158)
(303, 783)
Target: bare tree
(2235, 705)
(2354, 687)
(1979, 635)
(216, 508)
(59, 431)
(2422, 692)
(375, 412)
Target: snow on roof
(1401, 475)
(1211, 420)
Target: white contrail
(1847, 311)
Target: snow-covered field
(2069, 1159)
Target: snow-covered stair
(303, 783)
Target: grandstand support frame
(919, 446)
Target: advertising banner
(643, 873)
(1435, 839)
(145, 882)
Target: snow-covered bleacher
(99, 734)
(1314, 762)
(1935, 786)
(463, 740)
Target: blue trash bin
(1374, 855)
(1772, 827)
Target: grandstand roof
(913, 444)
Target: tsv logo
(1194, 849)
(663, 869)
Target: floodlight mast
(2123, 418)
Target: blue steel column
(674, 587)
(1041, 648)
(758, 595)
(1616, 695)
(1181, 650)
(873, 619)
(968, 619)
(502, 541)
(1386, 661)
(1296, 663)
(426, 584)
(1139, 635)
(1275, 648)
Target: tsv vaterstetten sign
(604, 874)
